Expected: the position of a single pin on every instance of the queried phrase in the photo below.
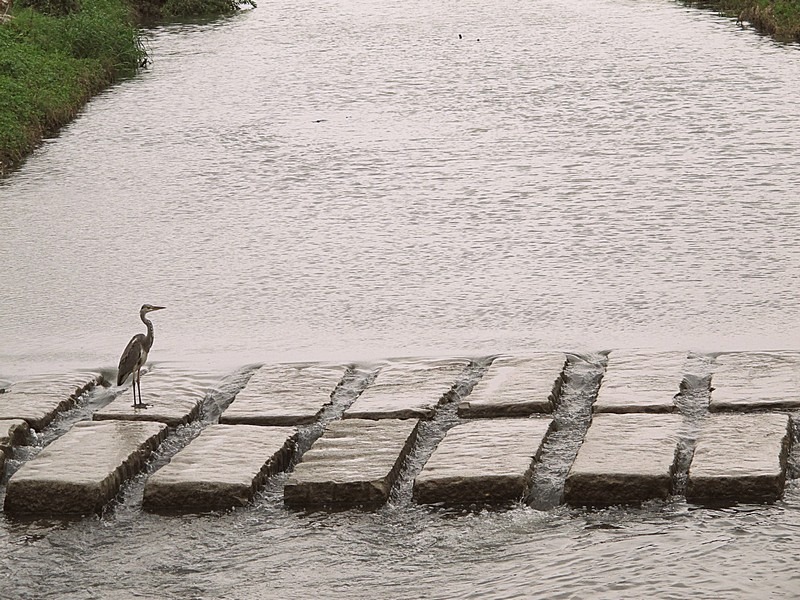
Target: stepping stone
(753, 380)
(284, 395)
(221, 468)
(624, 459)
(354, 463)
(38, 401)
(637, 382)
(83, 469)
(515, 387)
(485, 461)
(740, 458)
(174, 399)
(408, 390)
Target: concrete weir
(82, 470)
(753, 380)
(221, 468)
(624, 459)
(354, 463)
(482, 461)
(169, 402)
(636, 382)
(408, 390)
(284, 395)
(740, 458)
(38, 401)
(516, 387)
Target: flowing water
(355, 180)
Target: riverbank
(54, 56)
(777, 18)
(50, 65)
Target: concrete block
(624, 459)
(640, 382)
(488, 461)
(83, 469)
(354, 463)
(284, 395)
(221, 468)
(515, 387)
(740, 458)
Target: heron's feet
(142, 405)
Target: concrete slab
(752, 380)
(515, 387)
(640, 382)
(624, 459)
(284, 395)
(409, 390)
(83, 469)
(354, 463)
(485, 461)
(221, 468)
(740, 458)
(173, 400)
(38, 401)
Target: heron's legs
(137, 383)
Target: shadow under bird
(135, 355)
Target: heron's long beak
(157, 308)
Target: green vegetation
(52, 62)
(778, 18)
(56, 54)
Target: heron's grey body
(135, 355)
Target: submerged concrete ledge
(284, 395)
(740, 458)
(82, 470)
(221, 468)
(39, 401)
(169, 402)
(482, 461)
(408, 390)
(753, 380)
(517, 387)
(624, 459)
(637, 382)
(354, 463)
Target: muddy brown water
(352, 181)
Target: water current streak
(571, 419)
(692, 403)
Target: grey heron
(135, 355)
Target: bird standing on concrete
(135, 355)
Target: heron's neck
(148, 340)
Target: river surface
(355, 180)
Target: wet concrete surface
(221, 468)
(82, 470)
(740, 458)
(627, 458)
(167, 402)
(38, 401)
(284, 395)
(636, 382)
(354, 463)
(408, 390)
(483, 461)
(753, 381)
(516, 387)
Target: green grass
(778, 18)
(51, 65)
